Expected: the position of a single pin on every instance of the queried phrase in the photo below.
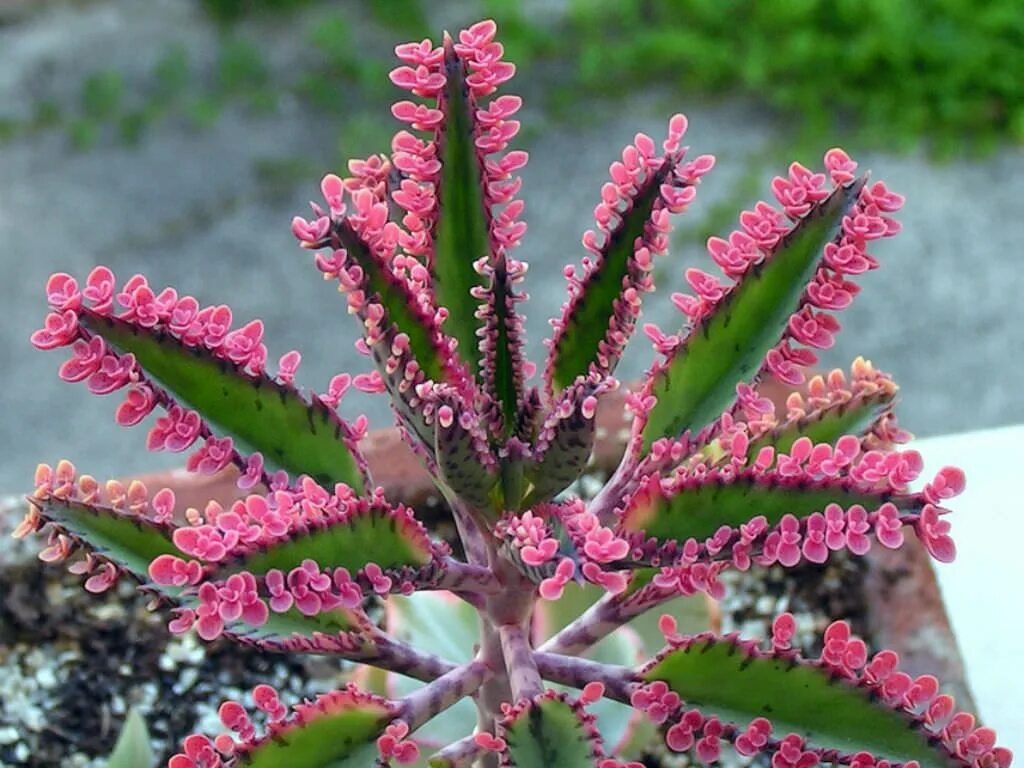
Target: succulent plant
(313, 557)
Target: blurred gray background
(201, 199)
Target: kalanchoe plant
(420, 242)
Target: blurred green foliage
(227, 11)
(946, 71)
(899, 74)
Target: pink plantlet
(319, 551)
(394, 745)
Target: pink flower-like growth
(463, 400)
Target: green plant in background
(519, 647)
(945, 72)
(133, 749)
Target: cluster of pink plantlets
(712, 477)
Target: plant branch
(395, 656)
(522, 670)
(577, 673)
(434, 698)
(457, 576)
(596, 623)
(460, 754)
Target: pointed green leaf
(398, 302)
(339, 730)
(460, 465)
(282, 629)
(132, 542)
(561, 455)
(549, 732)
(502, 374)
(133, 749)
(700, 379)
(855, 417)
(127, 540)
(697, 511)
(301, 437)
(576, 345)
(373, 534)
(461, 235)
(721, 680)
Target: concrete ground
(944, 315)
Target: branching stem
(463, 577)
(522, 670)
(594, 624)
(578, 672)
(461, 754)
(435, 697)
(396, 656)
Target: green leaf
(461, 235)
(460, 466)
(127, 540)
(271, 417)
(375, 534)
(801, 698)
(504, 379)
(133, 749)
(549, 732)
(281, 628)
(576, 345)
(398, 303)
(855, 417)
(698, 511)
(568, 441)
(342, 734)
(699, 381)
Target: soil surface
(73, 663)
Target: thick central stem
(505, 625)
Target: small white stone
(8, 735)
(46, 678)
(765, 605)
(187, 680)
(21, 752)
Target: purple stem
(522, 670)
(396, 656)
(457, 576)
(434, 698)
(461, 754)
(618, 681)
(596, 623)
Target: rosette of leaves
(520, 652)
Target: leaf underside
(802, 698)
(727, 347)
(548, 733)
(298, 436)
